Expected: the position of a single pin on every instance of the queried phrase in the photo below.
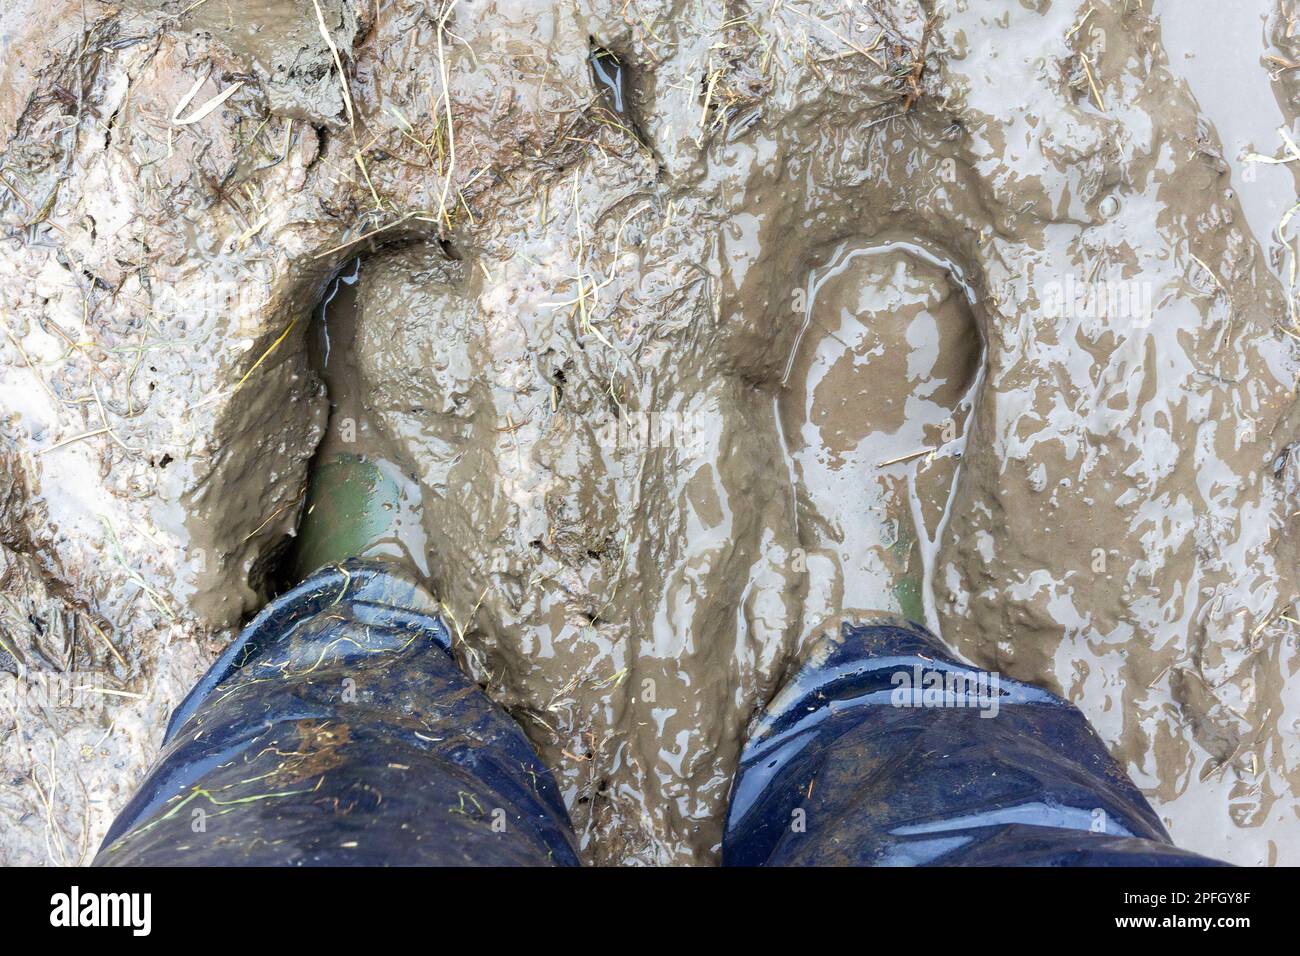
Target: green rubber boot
(351, 507)
(905, 560)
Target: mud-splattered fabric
(885, 751)
(338, 730)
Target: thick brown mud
(983, 314)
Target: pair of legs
(337, 729)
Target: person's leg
(884, 751)
(337, 729)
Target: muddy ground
(981, 311)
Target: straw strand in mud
(338, 63)
(450, 171)
(265, 355)
(471, 652)
(419, 215)
(200, 112)
(861, 51)
(132, 574)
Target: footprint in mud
(874, 411)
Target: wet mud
(691, 332)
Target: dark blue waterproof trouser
(338, 729)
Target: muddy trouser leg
(884, 751)
(337, 729)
